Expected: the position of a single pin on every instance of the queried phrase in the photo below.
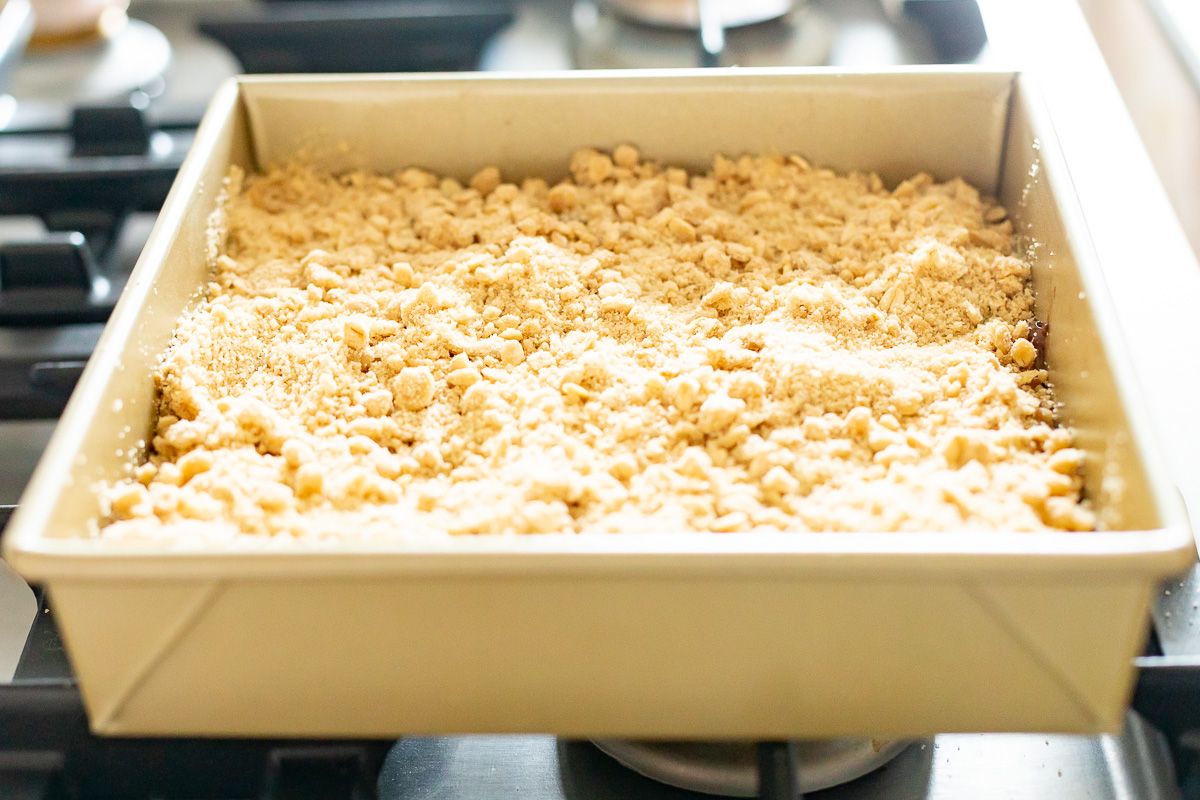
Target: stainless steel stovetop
(964, 767)
(1134, 764)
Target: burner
(133, 57)
(731, 768)
(604, 39)
(686, 13)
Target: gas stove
(88, 148)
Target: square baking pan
(697, 636)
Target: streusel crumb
(765, 346)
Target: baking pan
(699, 636)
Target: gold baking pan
(698, 636)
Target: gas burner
(101, 69)
(733, 769)
(602, 38)
(686, 13)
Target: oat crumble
(765, 346)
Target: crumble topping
(764, 346)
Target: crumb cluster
(764, 346)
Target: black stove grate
(57, 288)
(358, 35)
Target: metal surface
(712, 32)
(93, 71)
(777, 772)
(1177, 615)
(731, 768)
(837, 32)
(1133, 765)
(604, 40)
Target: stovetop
(37, 368)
